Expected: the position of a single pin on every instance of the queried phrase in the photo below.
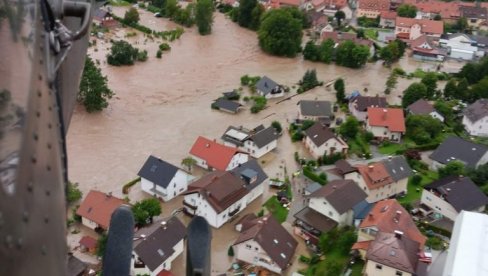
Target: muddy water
(162, 105)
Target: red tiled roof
(318, 3)
(217, 155)
(98, 207)
(88, 242)
(392, 118)
(375, 175)
(447, 10)
(376, 5)
(427, 26)
(388, 15)
(388, 216)
(293, 3)
(361, 245)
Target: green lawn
(412, 194)
(358, 146)
(274, 207)
(390, 148)
(371, 33)
(320, 268)
(357, 268)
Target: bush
(73, 194)
(277, 126)
(416, 179)
(164, 47)
(259, 104)
(435, 243)
(297, 136)
(260, 213)
(126, 187)
(159, 54)
(312, 176)
(142, 56)
(230, 251)
(304, 259)
(122, 53)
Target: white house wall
(251, 252)
(88, 223)
(178, 185)
(381, 193)
(251, 148)
(439, 205)
(478, 128)
(239, 158)
(371, 269)
(321, 205)
(384, 133)
(200, 162)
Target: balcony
(234, 212)
(189, 205)
(157, 193)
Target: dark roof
(231, 94)
(319, 133)
(344, 167)
(264, 136)
(312, 187)
(363, 102)
(100, 14)
(480, 39)
(343, 195)
(421, 107)
(220, 188)
(398, 167)
(315, 108)
(231, 106)
(473, 12)
(75, 266)
(315, 219)
(398, 252)
(272, 237)
(265, 85)
(455, 148)
(158, 171)
(460, 192)
(362, 209)
(158, 244)
(251, 166)
(476, 111)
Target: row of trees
(94, 92)
(123, 53)
(200, 13)
(348, 53)
(426, 89)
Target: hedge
(126, 187)
(312, 176)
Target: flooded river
(161, 105)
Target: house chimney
(398, 234)
(397, 216)
(163, 224)
(143, 236)
(385, 112)
(109, 194)
(334, 187)
(371, 167)
(207, 145)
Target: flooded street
(162, 105)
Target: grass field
(274, 207)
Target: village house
(267, 88)
(219, 196)
(162, 179)
(358, 106)
(318, 20)
(372, 8)
(264, 242)
(475, 118)
(452, 194)
(475, 15)
(88, 244)
(386, 123)
(104, 18)
(321, 141)
(383, 179)
(387, 19)
(459, 46)
(425, 49)
(97, 208)
(336, 200)
(428, 9)
(157, 246)
(310, 224)
(394, 254)
(226, 105)
(467, 246)
(211, 155)
(454, 148)
(411, 28)
(256, 142)
(386, 216)
(330, 7)
(315, 110)
(423, 107)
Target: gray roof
(476, 111)
(266, 85)
(263, 137)
(398, 168)
(363, 102)
(312, 187)
(100, 14)
(319, 133)
(473, 12)
(248, 168)
(455, 148)
(230, 94)
(158, 244)
(343, 195)
(421, 107)
(315, 219)
(361, 210)
(75, 266)
(460, 192)
(158, 171)
(480, 39)
(315, 108)
(225, 104)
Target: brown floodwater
(161, 105)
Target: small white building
(97, 208)
(256, 142)
(459, 46)
(358, 106)
(163, 180)
(423, 107)
(475, 119)
(451, 195)
(386, 123)
(336, 200)
(264, 242)
(320, 141)
(453, 148)
(211, 155)
(267, 88)
(157, 246)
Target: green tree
(73, 194)
(437, 17)
(430, 82)
(189, 162)
(299, 15)
(423, 129)
(414, 92)
(470, 72)
(230, 251)
(349, 128)
(309, 80)
(244, 15)
(171, 7)
(479, 175)
(280, 34)
(145, 210)
(351, 55)
(256, 14)
(391, 82)
(345, 241)
(393, 51)
(340, 89)
(101, 245)
(277, 126)
(478, 91)
(94, 92)
(446, 110)
(326, 51)
(339, 16)
(450, 90)
(131, 16)
(204, 16)
(406, 10)
(452, 168)
(311, 51)
(122, 53)
(462, 24)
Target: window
(330, 213)
(248, 246)
(398, 273)
(378, 266)
(174, 186)
(255, 248)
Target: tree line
(347, 53)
